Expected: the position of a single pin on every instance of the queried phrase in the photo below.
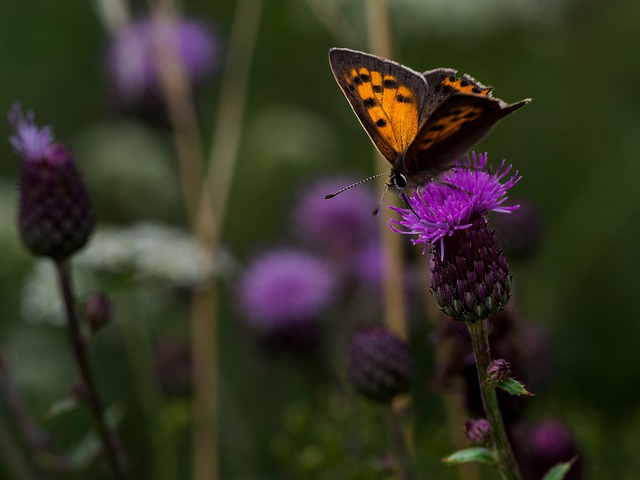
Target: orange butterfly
(420, 122)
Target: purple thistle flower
(470, 275)
(337, 227)
(379, 364)
(284, 288)
(55, 217)
(439, 210)
(133, 59)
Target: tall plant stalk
(93, 401)
(506, 461)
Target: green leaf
(476, 454)
(513, 387)
(559, 471)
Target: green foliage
(476, 454)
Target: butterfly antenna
(384, 192)
(331, 195)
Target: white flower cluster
(144, 254)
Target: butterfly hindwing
(388, 98)
(457, 124)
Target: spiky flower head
(470, 276)
(379, 364)
(55, 217)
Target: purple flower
(462, 197)
(285, 287)
(546, 444)
(470, 275)
(133, 54)
(337, 226)
(55, 217)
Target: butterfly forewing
(388, 98)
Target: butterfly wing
(461, 111)
(388, 98)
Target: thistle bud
(478, 431)
(55, 218)
(499, 370)
(380, 365)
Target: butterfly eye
(399, 180)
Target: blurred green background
(575, 146)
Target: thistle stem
(506, 461)
(402, 448)
(93, 400)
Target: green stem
(403, 452)
(506, 460)
(138, 346)
(93, 401)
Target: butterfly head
(397, 181)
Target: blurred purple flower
(55, 217)
(337, 226)
(544, 445)
(285, 287)
(133, 60)
(519, 234)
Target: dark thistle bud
(97, 311)
(498, 370)
(379, 365)
(478, 432)
(55, 217)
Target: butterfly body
(420, 122)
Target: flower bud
(478, 432)
(97, 311)
(499, 370)
(55, 218)
(380, 365)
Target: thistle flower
(380, 365)
(55, 218)
(283, 293)
(470, 276)
(133, 54)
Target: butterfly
(420, 122)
